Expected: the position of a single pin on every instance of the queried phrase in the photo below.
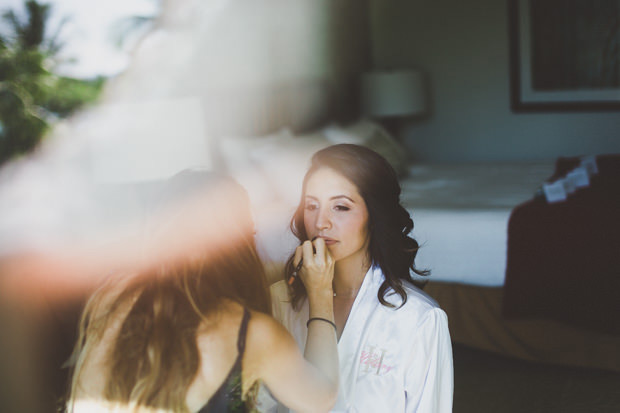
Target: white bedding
(461, 212)
(463, 246)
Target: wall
(463, 47)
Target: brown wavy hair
(155, 357)
(391, 247)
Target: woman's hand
(317, 271)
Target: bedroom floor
(485, 382)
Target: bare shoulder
(268, 342)
(225, 324)
(268, 345)
(222, 322)
(264, 330)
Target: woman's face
(335, 211)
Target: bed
(473, 221)
(461, 212)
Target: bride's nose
(323, 219)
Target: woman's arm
(272, 355)
(317, 275)
(309, 384)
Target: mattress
(461, 212)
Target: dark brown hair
(389, 225)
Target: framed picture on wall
(564, 55)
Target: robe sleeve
(429, 379)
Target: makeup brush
(295, 273)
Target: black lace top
(229, 397)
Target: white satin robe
(391, 360)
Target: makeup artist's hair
(155, 357)
(389, 225)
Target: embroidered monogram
(373, 361)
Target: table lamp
(393, 95)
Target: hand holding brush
(300, 264)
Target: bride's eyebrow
(335, 197)
(332, 198)
(342, 197)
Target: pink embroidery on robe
(372, 361)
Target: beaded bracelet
(321, 319)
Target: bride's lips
(328, 241)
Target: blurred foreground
(79, 207)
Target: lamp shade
(393, 93)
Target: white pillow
(284, 161)
(271, 167)
(241, 159)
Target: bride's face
(335, 211)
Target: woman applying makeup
(194, 334)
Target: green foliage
(30, 34)
(67, 95)
(31, 96)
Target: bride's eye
(341, 208)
